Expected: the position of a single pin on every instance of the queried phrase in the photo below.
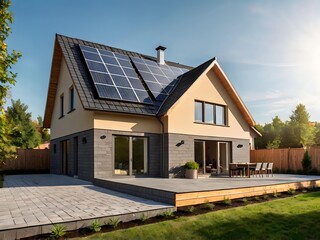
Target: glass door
(223, 156)
(199, 153)
(130, 155)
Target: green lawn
(291, 218)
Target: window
(61, 106)
(220, 115)
(71, 99)
(198, 111)
(210, 113)
(130, 155)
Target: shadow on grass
(265, 226)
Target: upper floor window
(61, 105)
(71, 93)
(210, 113)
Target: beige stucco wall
(180, 118)
(76, 121)
(126, 122)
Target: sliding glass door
(130, 155)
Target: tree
(44, 132)
(24, 133)
(302, 129)
(7, 79)
(306, 162)
(317, 133)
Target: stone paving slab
(33, 200)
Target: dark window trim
(226, 120)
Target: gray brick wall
(176, 156)
(85, 155)
(103, 152)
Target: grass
(290, 218)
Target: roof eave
(53, 83)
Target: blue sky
(270, 50)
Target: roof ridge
(128, 51)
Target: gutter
(162, 145)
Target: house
(113, 112)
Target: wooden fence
(286, 158)
(29, 160)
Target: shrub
(314, 171)
(257, 198)
(143, 217)
(58, 231)
(291, 191)
(95, 226)
(306, 162)
(168, 213)
(276, 194)
(208, 205)
(191, 165)
(266, 197)
(227, 201)
(244, 200)
(190, 209)
(114, 222)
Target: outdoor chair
(256, 169)
(264, 168)
(269, 169)
(234, 170)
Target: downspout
(162, 145)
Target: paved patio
(32, 200)
(182, 185)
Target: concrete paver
(32, 200)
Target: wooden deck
(185, 192)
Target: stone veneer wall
(177, 156)
(85, 155)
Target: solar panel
(114, 76)
(160, 79)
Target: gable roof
(68, 49)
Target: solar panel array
(160, 79)
(114, 76)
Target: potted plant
(191, 168)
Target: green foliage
(306, 162)
(208, 205)
(266, 197)
(114, 222)
(257, 198)
(291, 191)
(95, 226)
(191, 165)
(227, 201)
(58, 231)
(276, 194)
(24, 133)
(297, 132)
(191, 209)
(44, 132)
(244, 200)
(7, 78)
(168, 213)
(289, 218)
(143, 217)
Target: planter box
(191, 173)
